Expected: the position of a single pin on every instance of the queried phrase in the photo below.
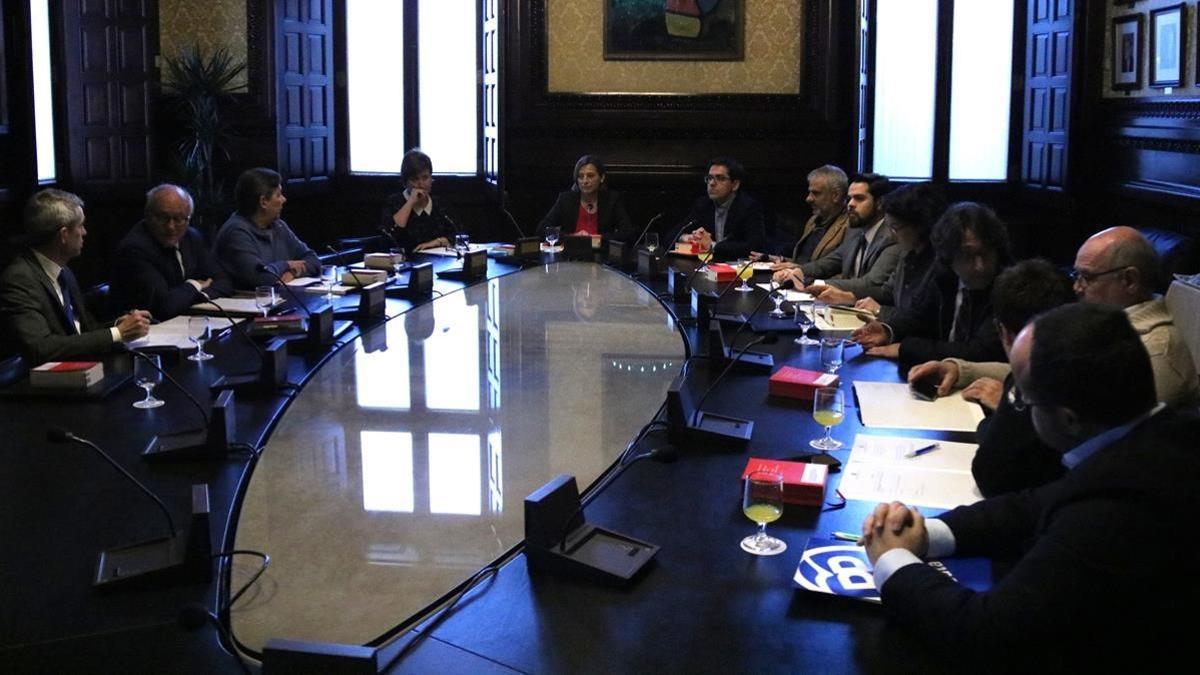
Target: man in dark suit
(164, 264)
(951, 315)
(726, 218)
(1095, 557)
(865, 258)
(41, 304)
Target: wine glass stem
(828, 436)
(762, 534)
(149, 396)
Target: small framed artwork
(1127, 51)
(1168, 38)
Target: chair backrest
(98, 299)
(1178, 253)
(1183, 301)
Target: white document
(174, 333)
(233, 306)
(835, 322)
(789, 295)
(338, 289)
(892, 405)
(300, 282)
(450, 252)
(878, 471)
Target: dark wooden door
(304, 69)
(109, 52)
(1047, 94)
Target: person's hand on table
(134, 325)
(873, 334)
(892, 526)
(868, 304)
(297, 267)
(945, 372)
(891, 351)
(985, 391)
(794, 275)
(832, 295)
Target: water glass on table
(199, 332)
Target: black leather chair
(1178, 253)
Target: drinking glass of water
(146, 374)
(199, 332)
(264, 298)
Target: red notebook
(803, 483)
(724, 272)
(798, 383)
(67, 374)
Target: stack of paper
(879, 471)
(174, 333)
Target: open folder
(892, 405)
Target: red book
(67, 374)
(798, 383)
(724, 272)
(803, 483)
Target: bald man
(1117, 267)
(163, 261)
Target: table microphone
(767, 338)
(261, 267)
(262, 356)
(665, 454)
(736, 275)
(59, 435)
(511, 219)
(647, 228)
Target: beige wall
(1143, 7)
(209, 23)
(772, 47)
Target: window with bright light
(905, 76)
(43, 108)
(390, 392)
(981, 89)
(447, 76)
(375, 84)
(449, 65)
(453, 353)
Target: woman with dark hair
(256, 235)
(909, 214)
(411, 215)
(589, 207)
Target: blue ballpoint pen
(921, 451)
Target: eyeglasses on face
(1019, 402)
(1085, 277)
(716, 178)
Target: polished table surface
(398, 472)
(703, 605)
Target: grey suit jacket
(34, 323)
(881, 258)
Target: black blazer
(923, 329)
(148, 275)
(34, 323)
(745, 228)
(610, 213)
(1100, 571)
(1011, 457)
(420, 228)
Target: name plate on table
(529, 248)
(648, 265)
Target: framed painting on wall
(1168, 39)
(674, 30)
(1127, 32)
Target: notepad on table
(891, 404)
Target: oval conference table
(397, 469)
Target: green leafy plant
(202, 87)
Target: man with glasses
(1094, 577)
(866, 257)
(726, 218)
(163, 262)
(952, 313)
(1010, 455)
(1119, 268)
(41, 305)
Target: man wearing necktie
(41, 306)
(164, 264)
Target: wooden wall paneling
(109, 50)
(1047, 94)
(304, 99)
(656, 145)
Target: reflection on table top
(402, 466)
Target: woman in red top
(589, 207)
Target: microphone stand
(272, 369)
(371, 301)
(320, 323)
(167, 559)
(211, 441)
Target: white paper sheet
(174, 333)
(891, 404)
(878, 471)
(789, 295)
(300, 282)
(233, 306)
